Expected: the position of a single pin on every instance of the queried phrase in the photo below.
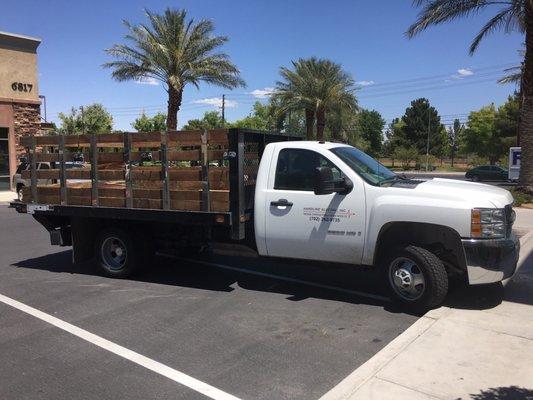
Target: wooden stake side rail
(192, 175)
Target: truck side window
(296, 169)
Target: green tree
(406, 155)
(150, 124)
(418, 119)
(454, 137)
(93, 118)
(175, 51)
(263, 117)
(210, 120)
(481, 137)
(394, 137)
(511, 15)
(370, 126)
(316, 86)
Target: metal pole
(427, 146)
(44, 101)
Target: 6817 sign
(21, 87)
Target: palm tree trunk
(320, 124)
(309, 121)
(174, 104)
(526, 113)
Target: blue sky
(366, 37)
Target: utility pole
(427, 146)
(223, 110)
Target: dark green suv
(487, 173)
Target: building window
(4, 158)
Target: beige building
(19, 99)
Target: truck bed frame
(194, 178)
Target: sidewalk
(6, 196)
(480, 346)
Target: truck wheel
(116, 254)
(416, 277)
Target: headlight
(488, 223)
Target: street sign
(514, 163)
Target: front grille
(510, 216)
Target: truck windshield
(369, 169)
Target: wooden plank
(79, 201)
(216, 154)
(164, 170)
(127, 161)
(111, 175)
(33, 169)
(140, 139)
(206, 203)
(184, 155)
(112, 202)
(62, 169)
(184, 138)
(111, 137)
(152, 204)
(94, 172)
(148, 194)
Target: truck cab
(332, 202)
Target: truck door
(301, 224)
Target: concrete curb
(353, 382)
(369, 369)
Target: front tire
(476, 178)
(116, 254)
(416, 277)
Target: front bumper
(491, 260)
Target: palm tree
(512, 15)
(176, 52)
(317, 87)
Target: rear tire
(416, 278)
(116, 253)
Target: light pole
(44, 103)
(427, 145)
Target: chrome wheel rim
(406, 279)
(20, 195)
(114, 253)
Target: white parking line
(287, 279)
(130, 355)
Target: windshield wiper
(391, 179)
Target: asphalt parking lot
(237, 327)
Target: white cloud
(147, 81)
(462, 73)
(365, 83)
(465, 72)
(216, 102)
(262, 93)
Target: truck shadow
(355, 285)
(194, 274)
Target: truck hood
(477, 194)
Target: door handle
(281, 203)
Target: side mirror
(324, 183)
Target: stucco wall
(18, 67)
